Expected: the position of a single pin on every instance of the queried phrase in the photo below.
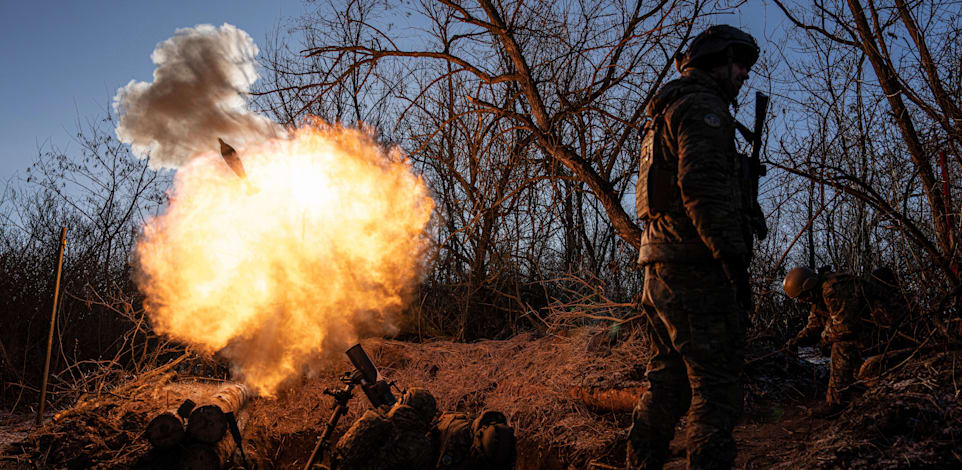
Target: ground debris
(911, 418)
(101, 431)
(527, 378)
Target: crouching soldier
(398, 439)
(852, 315)
(412, 436)
(484, 442)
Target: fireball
(320, 246)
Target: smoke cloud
(198, 94)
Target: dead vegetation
(104, 429)
(532, 244)
(526, 378)
(910, 419)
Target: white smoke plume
(199, 94)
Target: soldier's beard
(725, 77)
(731, 89)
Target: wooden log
(208, 423)
(200, 456)
(874, 366)
(611, 399)
(166, 430)
(206, 456)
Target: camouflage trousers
(846, 361)
(696, 329)
(849, 331)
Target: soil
(909, 418)
(773, 435)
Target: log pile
(204, 436)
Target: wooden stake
(53, 323)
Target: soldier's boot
(710, 448)
(653, 427)
(646, 453)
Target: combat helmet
(798, 281)
(710, 48)
(422, 401)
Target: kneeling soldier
(851, 314)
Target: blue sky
(63, 61)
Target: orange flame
(321, 252)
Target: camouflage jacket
(409, 436)
(397, 440)
(692, 185)
(852, 308)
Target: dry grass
(103, 431)
(526, 378)
(910, 419)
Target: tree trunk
(205, 456)
(166, 430)
(608, 399)
(893, 91)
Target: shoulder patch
(713, 120)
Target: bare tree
(888, 106)
(523, 116)
(575, 77)
(102, 194)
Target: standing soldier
(852, 314)
(695, 249)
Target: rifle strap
(745, 131)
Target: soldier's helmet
(710, 48)
(494, 445)
(798, 281)
(422, 401)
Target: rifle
(365, 374)
(755, 170)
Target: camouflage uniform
(409, 437)
(854, 315)
(485, 442)
(692, 197)
(399, 439)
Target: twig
(765, 356)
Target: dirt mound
(526, 378)
(911, 418)
(104, 430)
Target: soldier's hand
(737, 274)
